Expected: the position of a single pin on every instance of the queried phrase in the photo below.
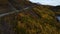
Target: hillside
(38, 19)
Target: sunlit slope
(38, 20)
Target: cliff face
(38, 19)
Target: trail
(15, 10)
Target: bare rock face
(37, 19)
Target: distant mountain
(36, 19)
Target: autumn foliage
(35, 20)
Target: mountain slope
(38, 19)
